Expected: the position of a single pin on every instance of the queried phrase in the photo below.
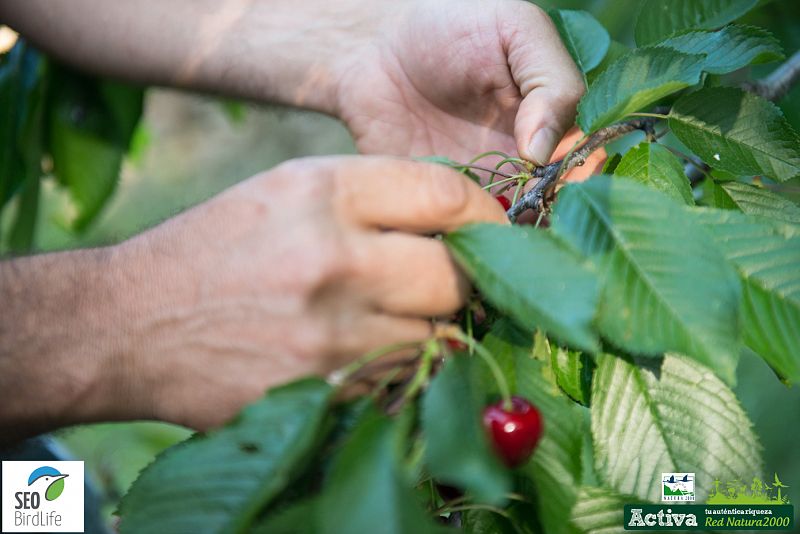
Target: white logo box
(63, 514)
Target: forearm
(62, 346)
(285, 51)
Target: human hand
(457, 78)
(293, 272)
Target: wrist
(61, 347)
(309, 48)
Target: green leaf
(611, 163)
(457, 451)
(728, 49)
(88, 165)
(486, 522)
(767, 260)
(23, 229)
(91, 126)
(573, 372)
(24, 79)
(756, 201)
(124, 104)
(526, 274)
(586, 40)
(659, 19)
(298, 518)
(599, 510)
(219, 482)
(716, 197)
(676, 417)
(635, 81)
(367, 490)
(615, 51)
(555, 469)
(653, 299)
(737, 132)
(655, 166)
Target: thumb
(549, 82)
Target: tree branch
(779, 82)
(550, 174)
(773, 87)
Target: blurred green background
(190, 147)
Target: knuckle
(326, 261)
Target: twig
(773, 87)
(777, 84)
(482, 168)
(550, 174)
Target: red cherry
(503, 202)
(515, 433)
(455, 344)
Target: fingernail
(542, 146)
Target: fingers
(407, 275)
(410, 196)
(549, 81)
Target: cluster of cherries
(515, 430)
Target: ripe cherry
(513, 433)
(503, 202)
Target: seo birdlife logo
(39, 497)
(52, 479)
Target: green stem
(517, 192)
(385, 381)
(509, 160)
(487, 357)
(653, 115)
(343, 374)
(489, 153)
(499, 182)
(423, 371)
(539, 219)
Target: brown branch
(550, 174)
(773, 87)
(779, 82)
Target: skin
(304, 267)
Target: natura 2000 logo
(677, 487)
(42, 498)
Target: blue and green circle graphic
(50, 476)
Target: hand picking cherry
(513, 433)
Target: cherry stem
(487, 357)
(340, 376)
(653, 115)
(509, 160)
(489, 153)
(482, 168)
(499, 182)
(423, 371)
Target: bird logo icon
(51, 477)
